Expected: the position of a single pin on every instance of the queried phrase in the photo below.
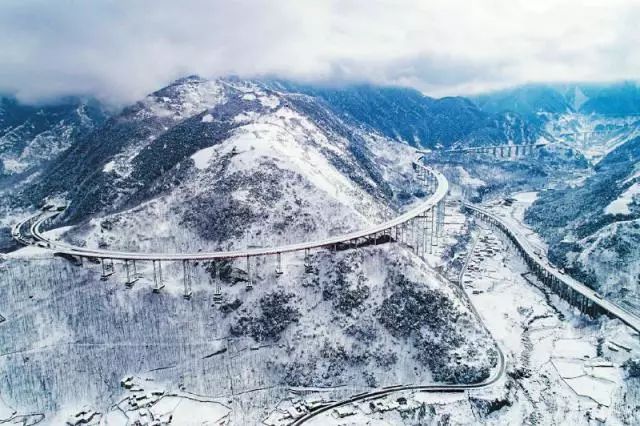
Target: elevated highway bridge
(419, 227)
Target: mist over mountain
(409, 116)
(530, 101)
(232, 164)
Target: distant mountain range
(160, 131)
(30, 136)
(531, 101)
(408, 116)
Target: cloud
(121, 50)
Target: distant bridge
(514, 151)
(420, 228)
(501, 151)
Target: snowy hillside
(593, 227)
(408, 116)
(594, 136)
(33, 135)
(228, 164)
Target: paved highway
(498, 373)
(529, 251)
(441, 189)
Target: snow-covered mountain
(221, 164)
(594, 226)
(617, 99)
(408, 116)
(229, 163)
(32, 135)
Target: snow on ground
(108, 168)
(117, 331)
(621, 204)
(513, 213)
(467, 180)
(281, 139)
(201, 158)
(610, 132)
(562, 368)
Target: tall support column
(107, 269)
(217, 292)
(307, 260)
(432, 229)
(278, 264)
(425, 224)
(249, 278)
(509, 151)
(155, 277)
(414, 236)
(130, 279)
(442, 216)
(186, 267)
(158, 283)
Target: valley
(249, 252)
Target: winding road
(498, 372)
(435, 183)
(433, 179)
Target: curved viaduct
(419, 227)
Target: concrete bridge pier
(425, 224)
(249, 278)
(107, 269)
(509, 152)
(158, 282)
(307, 261)
(131, 278)
(186, 267)
(278, 264)
(432, 229)
(217, 292)
(440, 218)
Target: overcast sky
(121, 50)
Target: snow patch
(108, 168)
(201, 158)
(621, 204)
(269, 101)
(208, 118)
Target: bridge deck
(441, 190)
(616, 311)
